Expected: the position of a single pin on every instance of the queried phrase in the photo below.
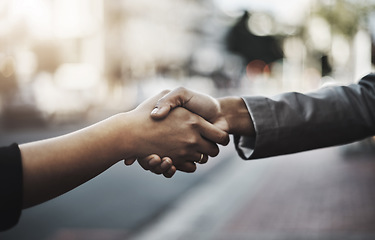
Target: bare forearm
(54, 166)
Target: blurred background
(67, 63)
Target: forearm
(295, 122)
(54, 166)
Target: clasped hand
(173, 138)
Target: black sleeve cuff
(10, 186)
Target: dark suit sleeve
(294, 122)
(10, 186)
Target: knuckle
(183, 152)
(180, 90)
(223, 139)
(192, 141)
(194, 121)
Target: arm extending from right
(287, 123)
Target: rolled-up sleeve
(294, 122)
(10, 186)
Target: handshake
(178, 129)
(168, 132)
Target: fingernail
(165, 164)
(169, 161)
(155, 111)
(153, 162)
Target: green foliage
(345, 16)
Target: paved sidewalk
(313, 195)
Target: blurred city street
(67, 64)
(321, 194)
(316, 195)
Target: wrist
(111, 138)
(237, 116)
(125, 131)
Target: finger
(150, 102)
(213, 133)
(154, 161)
(155, 165)
(149, 162)
(176, 98)
(157, 170)
(171, 171)
(204, 159)
(159, 166)
(207, 148)
(129, 161)
(188, 167)
(161, 112)
(166, 163)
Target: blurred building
(56, 52)
(61, 59)
(64, 57)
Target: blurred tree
(345, 16)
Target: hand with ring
(203, 159)
(164, 165)
(212, 129)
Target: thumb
(177, 98)
(160, 112)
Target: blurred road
(314, 195)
